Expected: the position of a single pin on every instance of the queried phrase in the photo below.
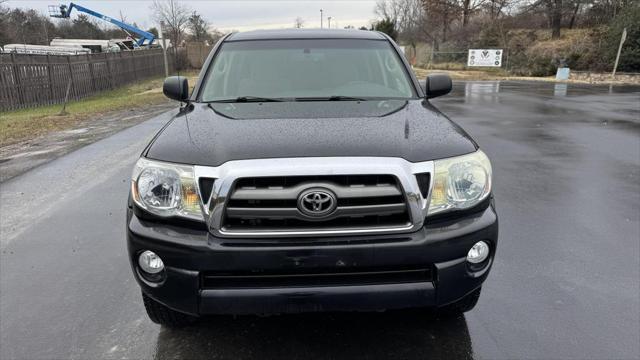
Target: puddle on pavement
(76, 131)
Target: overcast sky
(234, 15)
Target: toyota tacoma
(308, 171)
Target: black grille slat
(291, 203)
(342, 192)
(371, 201)
(235, 224)
(278, 212)
(345, 180)
(284, 203)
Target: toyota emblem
(317, 202)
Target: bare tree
(441, 15)
(410, 19)
(3, 10)
(440, 21)
(199, 27)
(577, 4)
(174, 15)
(5, 38)
(408, 16)
(298, 23)
(389, 9)
(405, 14)
(468, 8)
(554, 11)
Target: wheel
(162, 315)
(463, 305)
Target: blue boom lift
(63, 11)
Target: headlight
(460, 183)
(166, 189)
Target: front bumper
(189, 254)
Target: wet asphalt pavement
(565, 283)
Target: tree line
(582, 33)
(537, 35)
(32, 27)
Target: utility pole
(321, 19)
(329, 24)
(622, 40)
(164, 50)
(46, 32)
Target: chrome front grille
(272, 203)
(257, 198)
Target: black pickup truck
(308, 171)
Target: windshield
(311, 69)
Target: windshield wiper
(249, 99)
(331, 98)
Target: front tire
(162, 315)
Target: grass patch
(24, 124)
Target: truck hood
(212, 134)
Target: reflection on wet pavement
(560, 89)
(392, 335)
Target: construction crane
(64, 11)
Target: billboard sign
(485, 57)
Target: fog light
(478, 252)
(150, 262)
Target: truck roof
(305, 34)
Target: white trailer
(44, 49)
(90, 44)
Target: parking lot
(566, 162)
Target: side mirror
(176, 88)
(437, 85)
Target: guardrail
(29, 80)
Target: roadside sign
(485, 57)
(562, 73)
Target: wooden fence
(197, 53)
(33, 80)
